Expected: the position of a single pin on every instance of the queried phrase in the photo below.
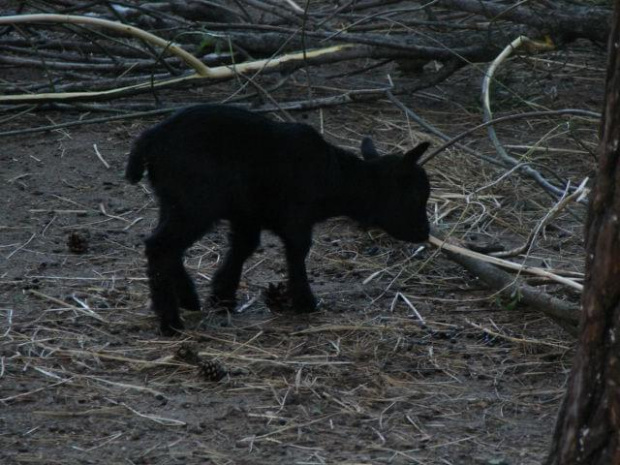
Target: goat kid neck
(356, 189)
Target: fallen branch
(121, 28)
(503, 119)
(443, 245)
(488, 115)
(302, 105)
(567, 21)
(563, 313)
(580, 193)
(517, 340)
(202, 71)
(433, 130)
(77, 66)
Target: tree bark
(588, 427)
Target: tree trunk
(588, 427)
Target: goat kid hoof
(222, 304)
(171, 330)
(306, 303)
(190, 304)
(305, 308)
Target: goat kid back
(215, 162)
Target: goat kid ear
(369, 152)
(413, 156)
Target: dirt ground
(409, 360)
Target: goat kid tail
(136, 166)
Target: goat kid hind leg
(169, 282)
(161, 264)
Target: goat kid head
(401, 190)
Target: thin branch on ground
(564, 313)
(443, 244)
(506, 159)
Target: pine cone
(211, 370)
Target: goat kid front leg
(297, 243)
(185, 288)
(243, 242)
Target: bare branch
(192, 61)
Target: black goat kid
(212, 162)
